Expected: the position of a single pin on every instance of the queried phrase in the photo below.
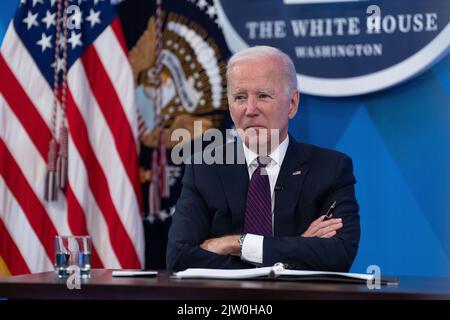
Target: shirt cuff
(252, 248)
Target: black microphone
(279, 187)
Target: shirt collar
(276, 156)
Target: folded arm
(330, 248)
(328, 245)
(189, 230)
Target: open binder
(279, 272)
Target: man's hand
(228, 245)
(323, 229)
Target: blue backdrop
(399, 140)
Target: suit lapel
(290, 180)
(235, 183)
(292, 174)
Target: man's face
(260, 100)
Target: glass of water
(73, 254)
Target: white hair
(257, 52)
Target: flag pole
(51, 182)
(62, 163)
(158, 183)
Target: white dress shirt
(252, 248)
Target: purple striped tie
(258, 210)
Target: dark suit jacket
(212, 204)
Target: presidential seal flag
(68, 137)
(178, 55)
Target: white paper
(200, 273)
(276, 271)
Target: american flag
(102, 197)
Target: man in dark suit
(270, 207)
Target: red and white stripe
(103, 196)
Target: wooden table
(102, 285)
